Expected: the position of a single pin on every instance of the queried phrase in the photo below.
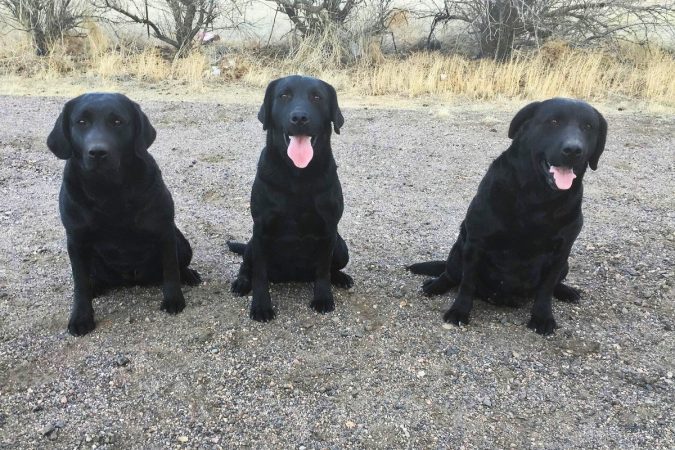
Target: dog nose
(299, 118)
(572, 151)
(98, 152)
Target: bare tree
(311, 17)
(499, 26)
(47, 21)
(175, 22)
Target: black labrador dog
(519, 229)
(117, 212)
(296, 200)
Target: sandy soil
(382, 371)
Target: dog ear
(600, 145)
(58, 140)
(145, 132)
(265, 113)
(335, 113)
(521, 117)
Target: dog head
(563, 137)
(101, 132)
(297, 113)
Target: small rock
(215, 350)
(487, 402)
(59, 424)
(448, 326)
(421, 373)
(121, 361)
(64, 400)
(450, 351)
(47, 430)
(350, 424)
(183, 439)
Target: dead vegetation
(635, 72)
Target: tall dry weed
(555, 70)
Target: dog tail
(236, 247)
(433, 268)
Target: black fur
(519, 229)
(117, 212)
(295, 210)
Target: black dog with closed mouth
(519, 229)
(117, 212)
(296, 200)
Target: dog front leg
(461, 308)
(173, 302)
(323, 301)
(81, 319)
(261, 304)
(542, 320)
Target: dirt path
(382, 371)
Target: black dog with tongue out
(296, 201)
(519, 229)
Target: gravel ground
(382, 371)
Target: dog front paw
(173, 305)
(456, 316)
(323, 304)
(262, 313)
(542, 325)
(81, 324)
(241, 286)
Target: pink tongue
(300, 150)
(563, 176)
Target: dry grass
(556, 70)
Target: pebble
(183, 439)
(47, 429)
(121, 360)
(451, 351)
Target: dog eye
(81, 122)
(116, 122)
(285, 96)
(555, 122)
(316, 98)
(588, 126)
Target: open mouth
(300, 149)
(287, 138)
(558, 177)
